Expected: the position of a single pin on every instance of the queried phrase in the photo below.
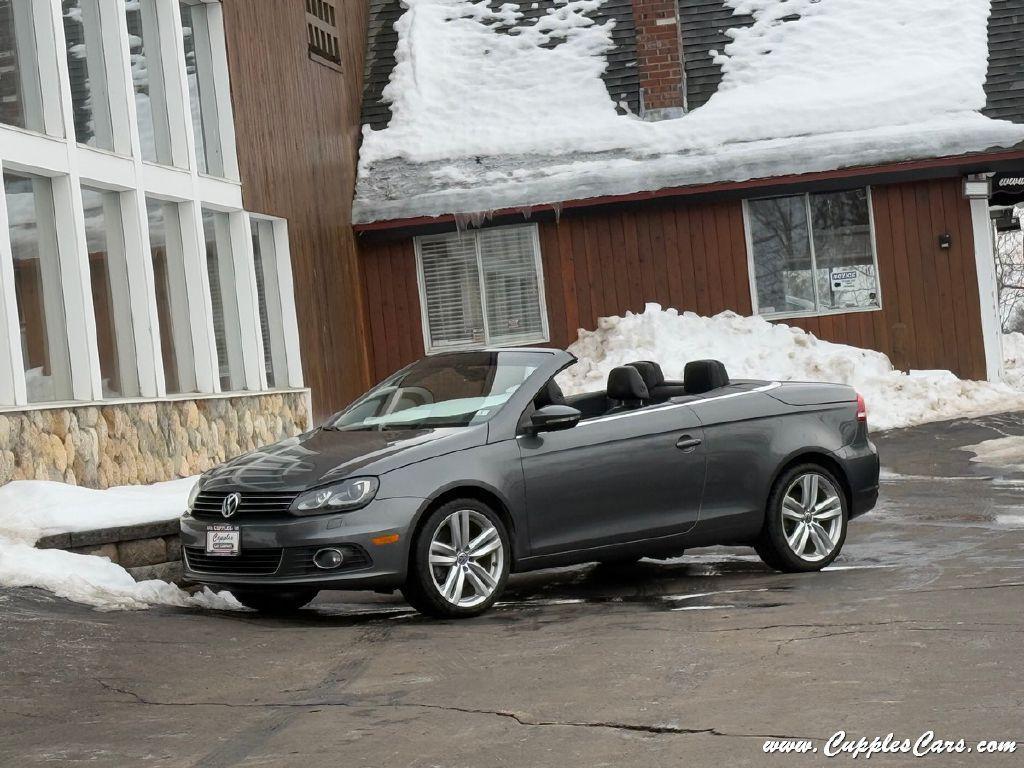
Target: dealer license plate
(223, 540)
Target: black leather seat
(702, 376)
(626, 387)
(550, 394)
(654, 378)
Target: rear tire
(805, 520)
(275, 602)
(460, 561)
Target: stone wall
(99, 446)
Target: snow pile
(96, 581)
(1013, 359)
(875, 80)
(31, 509)
(753, 348)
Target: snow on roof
(489, 111)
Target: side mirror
(552, 418)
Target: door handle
(687, 443)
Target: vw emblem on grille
(230, 505)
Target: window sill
(184, 397)
(476, 347)
(325, 62)
(798, 315)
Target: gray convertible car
(466, 466)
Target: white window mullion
(197, 286)
(225, 125)
(283, 304)
(248, 347)
(814, 261)
(183, 140)
(119, 80)
(483, 287)
(12, 365)
(74, 277)
(52, 69)
(142, 295)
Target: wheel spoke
(454, 526)
(464, 528)
(791, 509)
(828, 509)
(477, 582)
(436, 559)
(809, 486)
(454, 593)
(449, 583)
(822, 543)
(798, 539)
(486, 542)
(481, 573)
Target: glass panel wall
(108, 272)
(84, 47)
(38, 288)
(263, 262)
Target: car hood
(324, 456)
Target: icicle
(557, 208)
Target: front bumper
(297, 537)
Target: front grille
(298, 561)
(255, 505)
(251, 562)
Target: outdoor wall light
(945, 240)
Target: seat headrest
(626, 383)
(650, 372)
(550, 394)
(702, 376)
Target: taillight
(862, 408)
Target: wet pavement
(695, 661)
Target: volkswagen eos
(466, 466)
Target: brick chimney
(659, 59)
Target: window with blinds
(481, 288)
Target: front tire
(805, 522)
(275, 602)
(460, 561)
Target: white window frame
(70, 166)
(816, 312)
(545, 335)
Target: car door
(740, 432)
(634, 475)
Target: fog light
(327, 559)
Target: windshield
(450, 390)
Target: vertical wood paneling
(693, 256)
(297, 131)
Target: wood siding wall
(297, 129)
(693, 256)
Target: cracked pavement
(694, 661)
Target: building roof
(470, 110)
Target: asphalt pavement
(693, 662)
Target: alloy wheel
(812, 517)
(466, 558)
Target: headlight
(352, 494)
(192, 496)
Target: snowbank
(96, 581)
(31, 509)
(465, 92)
(751, 347)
